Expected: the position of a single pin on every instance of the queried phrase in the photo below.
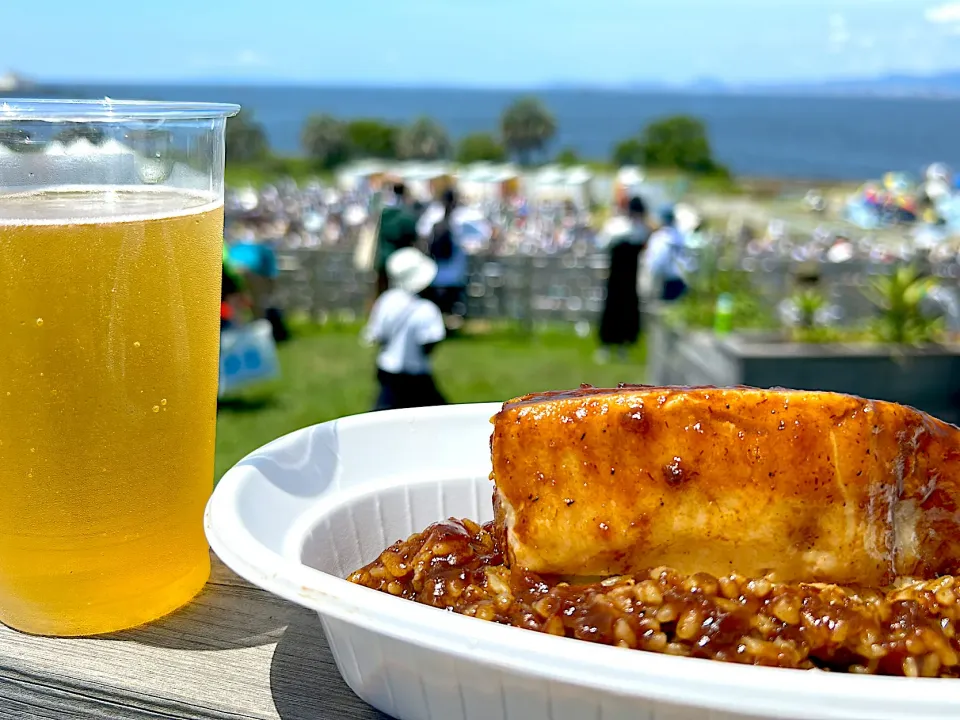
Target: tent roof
(630, 175)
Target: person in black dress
(620, 322)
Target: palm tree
(527, 126)
(424, 139)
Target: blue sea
(833, 138)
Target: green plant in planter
(808, 302)
(899, 297)
(697, 309)
(717, 274)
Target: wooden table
(236, 652)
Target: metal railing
(567, 288)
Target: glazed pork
(800, 486)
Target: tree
(567, 157)
(679, 142)
(325, 140)
(480, 147)
(628, 152)
(527, 126)
(423, 139)
(372, 139)
(82, 131)
(246, 140)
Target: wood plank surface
(236, 652)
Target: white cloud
(838, 35)
(946, 14)
(249, 58)
(245, 60)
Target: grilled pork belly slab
(805, 486)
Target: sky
(493, 43)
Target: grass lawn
(326, 374)
(272, 169)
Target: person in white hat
(407, 327)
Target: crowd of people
(419, 254)
(422, 275)
(316, 216)
(417, 251)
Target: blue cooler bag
(248, 357)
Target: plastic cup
(111, 222)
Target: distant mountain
(946, 84)
(708, 85)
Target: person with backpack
(665, 262)
(449, 288)
(407, 328)
(397, 229)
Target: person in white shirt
(407, 328)
(664, 262)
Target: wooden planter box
(925, 378)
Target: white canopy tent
(424, 179)
(350, 178)
(482, 182)
(558, 184)
(629, 181)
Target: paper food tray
(298, 515)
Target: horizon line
(701, 88)
(700, 85)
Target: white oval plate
(298, 515)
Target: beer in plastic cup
(111, 220)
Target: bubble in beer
(136, 343)
(163, 402)
(39, 322)
(156, 408)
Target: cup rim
(108, 110)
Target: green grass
(271, 169)
(326, 375)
